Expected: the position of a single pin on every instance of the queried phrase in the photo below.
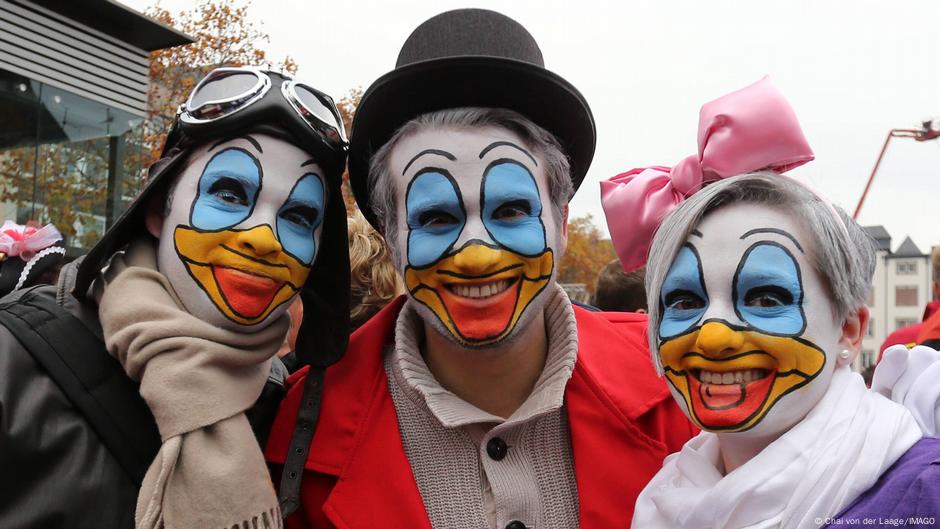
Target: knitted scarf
(198, 380)
(811, 473)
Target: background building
(901, 289)
(74, 79)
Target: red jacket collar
(357, 437)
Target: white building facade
(901, 289)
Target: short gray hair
(545, 145)
(844, 255)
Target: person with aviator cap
(127, 387)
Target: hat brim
(468, 81)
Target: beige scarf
(198, 380)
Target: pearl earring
(844, 354)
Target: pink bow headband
(24, 241)
(748, 130)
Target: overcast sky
(852, 70)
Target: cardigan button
(515, 524)
(496, 448)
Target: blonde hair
(374, 280)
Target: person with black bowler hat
(482, 397)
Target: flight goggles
(230, 96)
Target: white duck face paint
(242, 229)
(476, 231)
(748, 336)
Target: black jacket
(55, 469)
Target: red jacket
(930, 332)
(908, 336)
(622, 419)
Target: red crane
(924, 134)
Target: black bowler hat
(469, 58)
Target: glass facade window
(65, 159)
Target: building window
(871, 328)
(904, 322)
(65, 159)
(905, 296)
(906, 268)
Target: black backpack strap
(91, 378)
(288, 493)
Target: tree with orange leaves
(347, 110)
(224, 36)
(588, 251)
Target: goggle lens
(223, 86)
(313, 104)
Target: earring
(844, 354)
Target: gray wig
(543, 143)
(844, 254)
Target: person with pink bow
(28, 255)
(757, 288)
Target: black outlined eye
(229, 190)
(435, 215)
(512, 207)
(683, 295)
(300, 216)
(768, 290)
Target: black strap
(93, 381)
(289, 491)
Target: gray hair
(844, 254)
(545, 145)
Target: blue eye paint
(512, 208)
(299, 218)
(435, 215)
(228, 189)
(769, 271)
(685, 281)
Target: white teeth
(744, 376)
(481, 291)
